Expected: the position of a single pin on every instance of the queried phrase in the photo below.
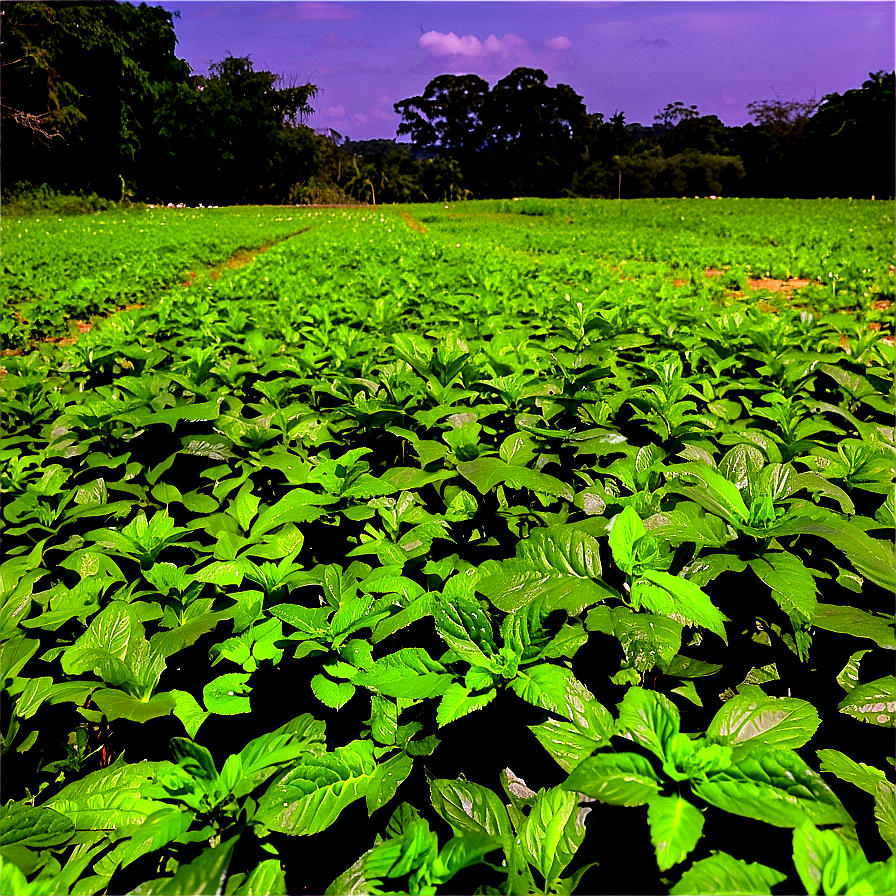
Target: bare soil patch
(412, 222)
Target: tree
(80, 83)
(537, 135)
(851, 141)
(236, 135)
(774, 150)
(448, 118)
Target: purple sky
(628, 56)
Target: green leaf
(224, 696)
(858, 623)
(332, 693)
(646, 639)
(298, 506)
(35, 827)
(820, 858)
(874, 702)
(723, 875)
(675, 828)
(885, 812)
(487, 472)
(849, 674)
(622, 779)
(116, 704)
(389, 775)
(650, 719)
(792, 584)
(512, 584)
(266, 879)
(771, 721)
(553, 831)
(715, 492)
(775, 786)
(864, 776)
(157, 831)
(688, 602)
(469, 808)
(627, 530)
(409, 672)
(463, 625)
(554, 688)
(110, 798)
(563, 551)
(689, 692)
(188, 711)
(458, 701)
(307, 799)
(203, 875)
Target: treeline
(94, 100)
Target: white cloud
(359, 118)
(438, 44)
(558, 43)
(335, 111)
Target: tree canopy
(95, 99)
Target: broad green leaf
(409, 672)
(389, 775)
(311, 622)
(266, 879)
(110, 798)
(469, 808)
(188, 711)
(775, 786)
(858, 623)
(675, 828)
(689, 692)
(458, 701)
(885, 812)
(821, 859)
(34, 693)
(556, 689)
(487, 472)
(512, 584)
(157, 831)
(649, 718)
(459, 853)
(715, 492)
(874, 702)
(35, 827)
(622, 779)
(627, 530)
(687, 602)
(332, 693)
(849, 674)
(553, 831)
(792, 584)
(116, 704)
(723, 875)
(303, 734)
(463, 625)
(298, 506)
(786, 722)
(647, 640)
(864, 776)
(564, 551)
(204, 875)
(226, 695)
(308, 798)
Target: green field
(513, 546)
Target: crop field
(515, 546)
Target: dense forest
(95, 100)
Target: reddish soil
(412, 222)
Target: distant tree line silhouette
(95, 100)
